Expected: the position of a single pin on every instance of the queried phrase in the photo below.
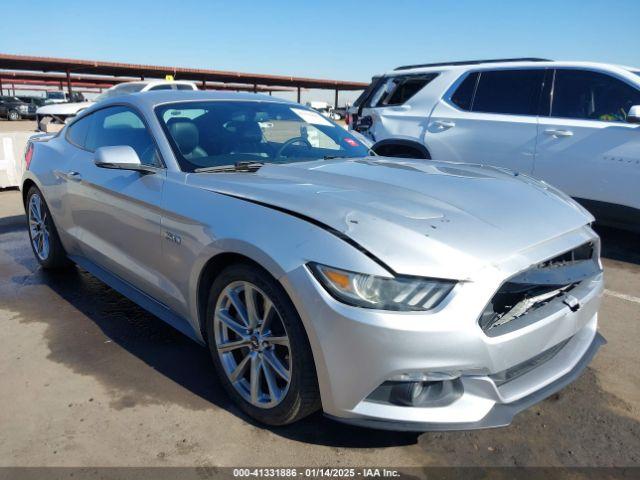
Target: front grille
(516, 371)
(536, 287)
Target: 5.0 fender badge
(172, 237)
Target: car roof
(149, 100)
(515, 64)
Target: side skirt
(150, 304)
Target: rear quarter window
(463, 96)
(77, 132)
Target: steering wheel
(292, 141)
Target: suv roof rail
(473, 62)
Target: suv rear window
(367, 92)
(463, 96)
(397, 90)
(513, 92)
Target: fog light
(425, 376)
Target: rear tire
(268, 369)
(13, 115)
(43, 235)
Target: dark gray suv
(13, 108)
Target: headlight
(368, 291)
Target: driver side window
(113, 126)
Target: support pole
(298, 94)
(69, 84)
(1, 92)
(255, 88)
(204, 85)
(335, 104)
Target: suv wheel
(13, 115)
(259, 347)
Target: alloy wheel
(38, 229)
(252, 344)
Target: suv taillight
(28, 155)
(347, 119)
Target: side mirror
(634, 114)
(122, 157)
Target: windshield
(217, 133)
(56, 95)
(637, 72)
(122, 89)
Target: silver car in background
(393, 293)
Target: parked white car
(574, 125)
(325, 109)
(52, 117)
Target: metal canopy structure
(72, 70)
(11, 79)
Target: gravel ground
(90, 379)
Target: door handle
(73, 175)
(559, 133)
(444, 124)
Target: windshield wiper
(237, 167)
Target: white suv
(575, 125)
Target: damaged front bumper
(500, 415)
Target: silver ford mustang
(393, 293)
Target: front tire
(43, 235)
(259, 347)
(13, 116)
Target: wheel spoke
(266, 316)
(274, 391)
(250, 301)
(34, 212)
(38, 205)
(239, 306)
(229, 346)
(240, 369)
(225, 317)
(276, 365)
(254, 381)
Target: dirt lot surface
(17, 126)
(90, 379)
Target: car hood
(439, 219)
(63, 108)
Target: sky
(344, 40)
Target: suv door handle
(444, 124)
(73, 175)
(559, 133)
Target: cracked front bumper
(500, 415)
